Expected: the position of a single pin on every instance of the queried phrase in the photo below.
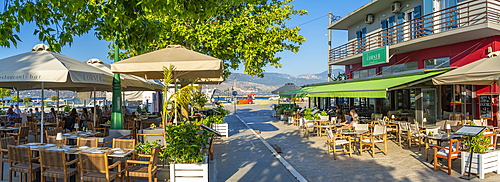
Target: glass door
(429, 105)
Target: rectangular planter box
(290, 120)
(282, 117)
(323, 118)
(189, 172)
(481, 163)
(223, 129)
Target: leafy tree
(248, 32)
(340, 77)
(26, 101)
(53, 98)
(16, 99)
(4, 93)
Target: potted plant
(282, 112)
(184, 151)
(486, 160)
(220, 126)
(323, 116)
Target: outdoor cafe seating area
(371, 135)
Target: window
(437, 63)
(387, 70)
(364, 73)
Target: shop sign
(376, 56)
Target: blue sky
(313, 52)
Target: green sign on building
(376, 56)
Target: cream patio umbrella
(128, 82)
(187, 64)
(485, 71)
(42, 69)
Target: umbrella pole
(57, 105)
(95, 114)
(41, 130)
(175, 101)
(18, 110)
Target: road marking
(287, 165)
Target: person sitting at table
(84, 117)
(52, 114)
(36, 110)
(12, 116)
(127, 111)
(17, 110)
(353, 118)
(106, 111)
(30, 111)
(70, 120)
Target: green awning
(369, 88)
(297, 93)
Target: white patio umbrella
(42, 69)
(187, 64)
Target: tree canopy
(248, 32)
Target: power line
(312, 20)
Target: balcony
(466, 21)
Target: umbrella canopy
(128, 82)
(29, 70)
(285, 88)
(188, 64)
(482, 72)
(207, 81)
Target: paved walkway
(243, 157)
(310, 158)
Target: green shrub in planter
(478, 142)
(324, 113)
(184, 144)
(282, 110)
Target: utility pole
(329, 47)
(234, 96)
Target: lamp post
(116, 111)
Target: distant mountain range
(271, 81)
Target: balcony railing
(462, 15)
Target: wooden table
(356, 134)
(438, 138)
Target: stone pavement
(243, 157)
(310, 158)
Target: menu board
(485, 106)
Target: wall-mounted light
(407, 5)
(383, 15)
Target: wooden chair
(61, 125)
(20, 160)
(335, 140)
(90, 142)
(17, 125)
(456, 146)
(310, 128)
(324, 127)
(493, 140)
(123, 144)
(52, 140)
(414, 135)
(94, 167)
(429, 144)
(379, 135)
(102, 131)
(209, 147)
(49, 132)
(4, 158)
(21, 136)
(33, 130)
(149, 171)
(53, 164)
(403, 130)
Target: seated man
(353, 118)
(12, 116)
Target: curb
(287, 165)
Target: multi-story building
(393, 50)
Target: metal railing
(462, 15)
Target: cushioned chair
(456, 147)
(414, 135)
(403, 131)
(378, 135)
(335, 140)
(310, 128)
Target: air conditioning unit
(369, 19)
(396, 7)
